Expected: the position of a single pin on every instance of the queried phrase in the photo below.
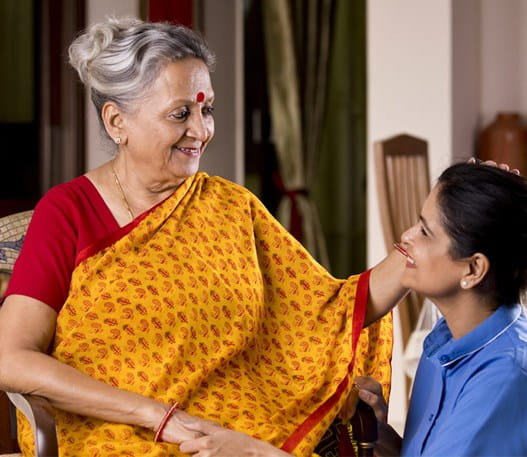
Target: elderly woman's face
(171, 127)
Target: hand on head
(492, 163)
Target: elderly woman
(151, 301)
(468, 254)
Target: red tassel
(296, 218)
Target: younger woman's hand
(217, 441)
(370, 391)
(349, 407)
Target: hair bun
(92, 42)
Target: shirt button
(444, 359)
(430, 417)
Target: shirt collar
(440, 345)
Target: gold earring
(117, 140)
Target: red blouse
(69, 218)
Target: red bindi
(200, 97)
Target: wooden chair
(403, 183)
(364, 426)
(38, 410)
(7, 437)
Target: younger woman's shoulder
(509, 349)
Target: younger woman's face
(435, 274)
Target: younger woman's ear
(478, 268)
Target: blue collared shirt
(470, 395)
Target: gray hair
(120, 58)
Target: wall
(466, 78)
(503, 58)
(222, 26)
(98, 150)
(409, 86)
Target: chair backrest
(403, 183)
(12, 232)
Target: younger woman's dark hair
(484, 209)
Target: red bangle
(164, 421)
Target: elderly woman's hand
(492, 163)
(176, 429)
(217, 441)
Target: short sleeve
(67, 219)
(44, 266)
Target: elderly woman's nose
(197, 127)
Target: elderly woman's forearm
(385, 289)
(25, 367)
(31, 372)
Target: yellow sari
(206, 300)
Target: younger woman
(468, 254)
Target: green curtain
(297, 48)
(16, 54)
(339, 189)
(316, 70)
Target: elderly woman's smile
(189, 151)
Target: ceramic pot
(505, 140)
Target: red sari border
(358, 321)
(110, 239)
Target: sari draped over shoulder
(206, 300)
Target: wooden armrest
(38, 412)
(364, 426)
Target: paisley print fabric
(207, 301)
